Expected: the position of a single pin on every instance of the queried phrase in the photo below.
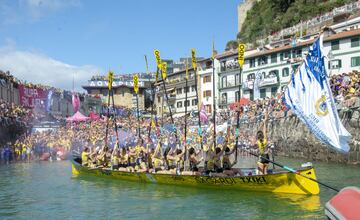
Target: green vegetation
(267, 16)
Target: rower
(261, 143)
(193, 162)
(85, 157)
(115, 156)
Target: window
(207, 79)
(355, 42)
(250, 77)
(208, 108)
(262, 93)
(158, 98)
(223, 66)
(237, 79)
(355, 61)
(187, 103)
(224, 98)
(194, 102)
(179, 91)
(285, 72)
(252, 63)
(335, 45)
(251, 94)
(223, 82)
(273, 58)
(273, 91)
(193, 88)
(179, 104)
(273, 73)
(262, 60)
(186, 89)
(285, 55)
(237, 96)
(207, 93)
(334, 64)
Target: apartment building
(176, 89)
(276, 65)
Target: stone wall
(293, 139)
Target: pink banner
(75, 102)
(31, 97)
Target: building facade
(124, 95)
(276, 65)
(176, 90)
(206, 88)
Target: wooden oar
(292, 170)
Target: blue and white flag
(310, 97)
(257, 85)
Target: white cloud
(38, 68)
(23, 11)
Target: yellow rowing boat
(279, 182)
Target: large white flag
(310, 97)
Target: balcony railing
(249, 84)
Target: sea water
(47, 190)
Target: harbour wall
(293, 139)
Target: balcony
(267, 81)
(229, 66)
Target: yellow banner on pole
(241, 52)
(163, 70)
(110, 80)
(158, 59)
(136, 85)
(193, 58)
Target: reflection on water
(47, 190)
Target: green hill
(267, 16)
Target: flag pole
(214, 99)
(136, 90)
(186, 100)
(193, 58)
(163, 66)
(152, 95)
(241, 52)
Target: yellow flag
(158, 59)
(110, 80)
(186, 70)
(136, 86)
(153, 123)
(193, 58)
(241, 52)
(163, 70)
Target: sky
(53, 41)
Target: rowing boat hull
(284, 182)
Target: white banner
(310, 97)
